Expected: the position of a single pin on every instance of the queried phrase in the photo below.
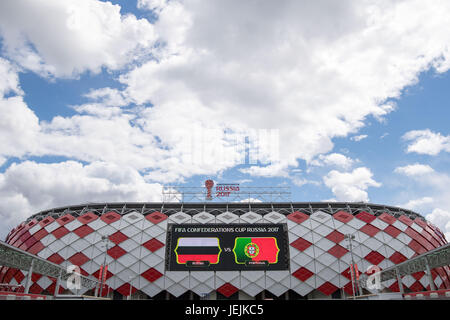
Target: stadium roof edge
(173, 205)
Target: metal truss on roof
(264, 194)
(435, 258)
(16, 258)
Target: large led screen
(227, 247)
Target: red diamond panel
(153, 245)
(424, 243)
(24, 237)
(65, 219)
(19, 276)
(327, 288)
(374, 257)
(227, 290)
(386, 217)
(156, 217)
(416, 286)
(365, 216)
(125, 289)
(343, 216)
(418, 275)
(87, 217)
(38, 246)
(301, 244)
(370, 230)
(394, 287)
(60, 232)
(337, 251)
(31, 223)
(96, 274)
(335, 236)
(152, 274)
(35, 289)
(55, 258)
(78, 259)
(416, 247)
(298, 217)
(348, 288)
(425, 233)
(83, 231)
(51, 288)
(116, 252)
(35, 277)
(420, 222)
(405, 220)
(435, 243)
(118, 237)
(30, 242)
(392, 231)
(46, 221)
(302, 274)
(8, 275)
(397, 258)
(40, 234)
(110, 217)
(412, 233)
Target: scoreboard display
(227, 247)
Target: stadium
(312, 261)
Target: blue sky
(109, 101)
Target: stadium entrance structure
(317, 255)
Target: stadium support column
(350, 237)
(399, 281)
(103, 274)
(430, 277)
(30, 272)
(58, 283)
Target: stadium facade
(317, 252)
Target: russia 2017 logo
(251, 250)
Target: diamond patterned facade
(318, 251)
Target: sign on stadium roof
(225, 192)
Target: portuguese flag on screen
(256, 249)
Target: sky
(104, 101)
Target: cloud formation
(313, 71)
(426, 142)
(66, 38)
(29, 187)
(351, 186)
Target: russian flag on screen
(198, 249)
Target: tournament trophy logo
(209, 184)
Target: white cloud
(9, 79)
(417, 204)
(441, 219)
(28, 187)
(350, 186)
(66, 38)
(416, 169)
(359, 138)
(272, 170)
(333, 159)
(272, 67)
(314, 71)
(426, 142)
(435, 185)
